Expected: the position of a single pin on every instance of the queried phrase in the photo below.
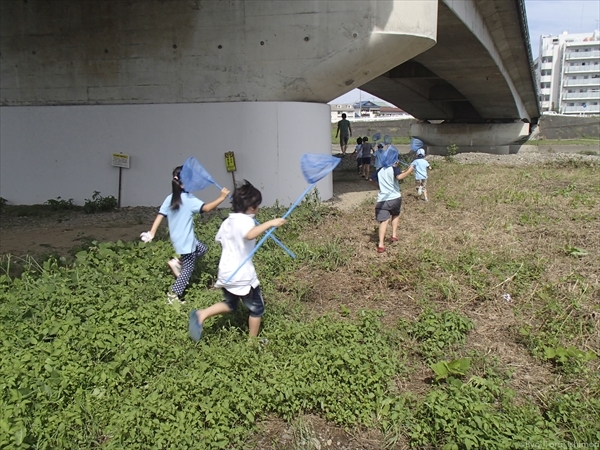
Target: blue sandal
(195, 327)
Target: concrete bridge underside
(477, 79)
(162, 80)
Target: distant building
(338, 110)
(366, 109)
(568, 73)
(393, 112)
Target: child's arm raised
(258, 229)
(212, 205)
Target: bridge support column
(483, 138)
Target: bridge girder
(480, 69)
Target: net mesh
(415, 144)
(194, 177)
(316, 166)
(376, 136)
(389, 157)
(387, 139)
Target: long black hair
(244, 197)
(177, 189)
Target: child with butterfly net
(179, 208)
(237, 236)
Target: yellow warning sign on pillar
(230, 162)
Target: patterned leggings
(187, 267)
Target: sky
(543, 17)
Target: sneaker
(173, 298)
(175, 266)
(195, 327)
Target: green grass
(92, 357)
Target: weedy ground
(479, 328)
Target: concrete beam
(137, 52)
(469, 136)
(482, 53)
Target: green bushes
(93, 356)
(99, 203)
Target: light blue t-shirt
(378, 154)
(181, 222)
(421, 166)
(389, 189)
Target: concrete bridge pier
(493, 138)
(164, 80)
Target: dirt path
(61, 233)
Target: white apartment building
(568, 73)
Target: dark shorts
(366, 160)
(344, 139)
(387, 209)
(253, 301)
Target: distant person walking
(345, 131)
(358, 153)
(367, 150)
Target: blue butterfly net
(415, 144)
(316, 166)
(389, 157)
(194, 177)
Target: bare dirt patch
(60, 232)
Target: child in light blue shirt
(420, 167)
(179, 209)
(378, 155)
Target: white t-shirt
(236, 248)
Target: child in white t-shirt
(237, 235)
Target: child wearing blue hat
(420, 166)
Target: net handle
(269, 233)
(277, 241)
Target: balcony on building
(573, 55)
(578, 108)
(587, 68)
(589, 94)
(580, 81)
